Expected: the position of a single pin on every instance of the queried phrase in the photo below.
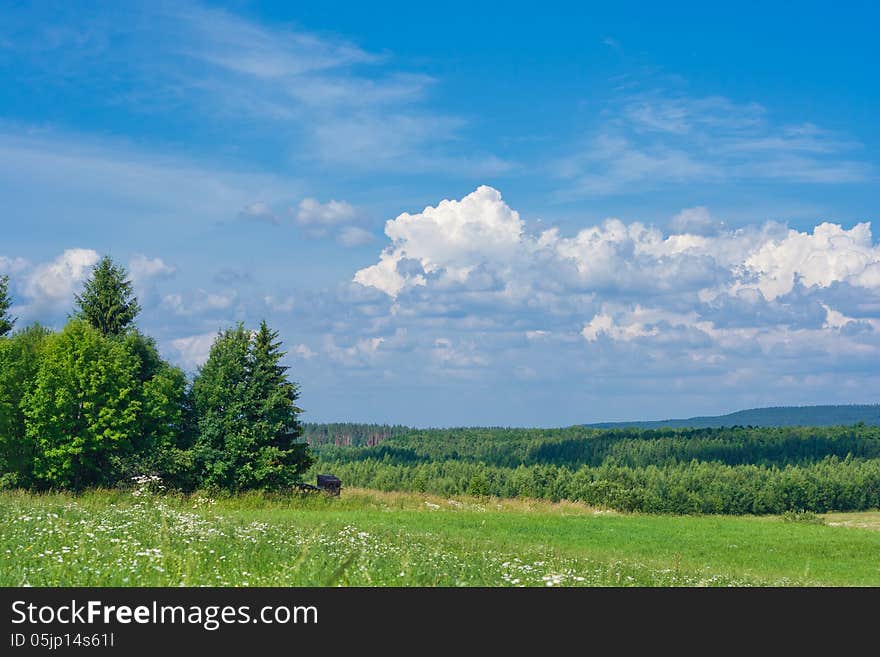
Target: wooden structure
(329, 484)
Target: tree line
(350, 434)
(576, 446)
(732, 470)
(684, 488)
(95, 404)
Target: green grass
(368, 538)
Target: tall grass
(118, 538)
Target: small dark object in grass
(329, 484)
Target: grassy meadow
(371, 538)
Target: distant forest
(777, 416)
(737, 470)
(350, 434)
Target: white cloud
(479, 238)
(199, 301)
(53, 284)
(259, 211)
(831, 254)
(285, 305)
(362, 353)
(194, 350)
(314, 213)
(142, 269)
(355, 236)
(835, 319)
(12, 265)
(469, 275)
(695, 221)
(450, 239)
(304, 351)
(449, 356)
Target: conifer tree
(6, 320)
(248, 420)
(107, 301)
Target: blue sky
(464, 213)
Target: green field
(114, 538)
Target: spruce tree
(248, 419)
(6, 320)
(272, 396)
(107, 301)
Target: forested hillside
(738, 470)
(777, 416)
(350, 434)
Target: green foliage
(478, 485)
(96, 405)
(732, 471)
(93, 410)
(83, 408)
(107, 301)
(161, 441)
(20, 357)
(804, 517)
(6, 320)
(575, 446)
(350, 434)
(248, 432)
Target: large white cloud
(55, 282)
(450, 240)
(699, 285)
(829, 255)
(453, 240)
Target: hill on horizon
(775, 416)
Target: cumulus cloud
(45, 290)
(193, 350)
(51, 286)
(314, 213)
(469, 275)
(479, 242)
(449, 240)
(331, 219)
(11, 266)
(828, 255)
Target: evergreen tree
(107, 301)
(273, 413)
(248, 426)
(218, 393)
(6, 320)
